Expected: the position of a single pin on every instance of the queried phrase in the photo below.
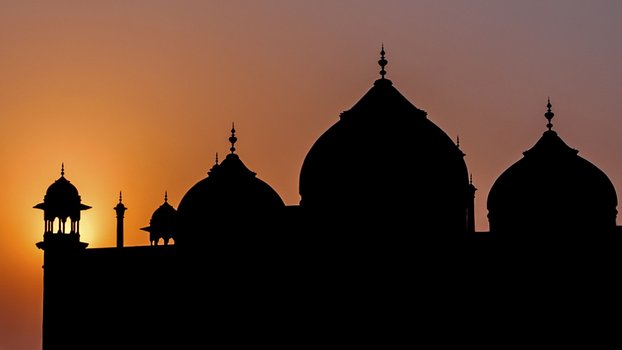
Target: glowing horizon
(139, 96)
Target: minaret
(120, 209)
(60, 260)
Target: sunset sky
(139, 95)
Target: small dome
(552, 190)
(62, 200)
(164, 214)
(62, 191)
(230, 192)
(384, 160)
(163, 223)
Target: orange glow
(139, 96)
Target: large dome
(230, 192)
(384, 161)
(552, 191)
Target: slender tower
(120, 209)
(60, 254)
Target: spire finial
(215, 166)
(382, 62)
(166, 196)
(232, 139)
(458, 145)
(120, 208)
(549, 114)
(471, 179)
(62, 169)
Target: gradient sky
(138, 96)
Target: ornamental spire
(215, 166)
(232, 139)
(549, 114)
(382, 62)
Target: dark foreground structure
(380, 251)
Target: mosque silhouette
(370, 246)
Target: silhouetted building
(230, 201)
(62, 253)
(552, 193)
(390, 165)
(385, 232)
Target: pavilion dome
(552, 190)
(62, 192)
(384, 156)
(230, 192)
(163, 222)
(164, 214)
(62, 200)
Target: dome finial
(232, 139)
(166, 196)
(382, 62)
(120, 197)
(549, 114)
(62, 169)
(215, 166)
(458, 141)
